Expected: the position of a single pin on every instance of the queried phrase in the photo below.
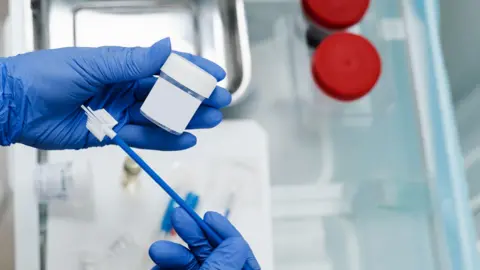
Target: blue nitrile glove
(41, 93)
(232, 254)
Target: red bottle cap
(346, 66)
(335, 14)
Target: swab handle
(214, 238)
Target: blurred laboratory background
(368, 163)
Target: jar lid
(189, 75)
(335, 14)
(346, 66)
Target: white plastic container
(67, 187)
(177, 94)
(398, 176)
(60, 181)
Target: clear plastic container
(341, 101)
(371, 184)
(122, 253)
(67, 188)
(467, 112)
(227, 185)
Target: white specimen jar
(180, 89)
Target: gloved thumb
(108, 65)
(231, 254)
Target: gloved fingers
(135, 116)
(191, 233)
(218, 99)
(143, 87)
(221, 225)
(231, 254)
(205, 117)
(226, 230)
(154, 138)
(205, 64)
(109, 64)
(168, 255)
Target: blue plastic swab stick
(212, 235)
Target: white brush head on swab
(100, 123)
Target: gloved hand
(232, 254)
(41, 93)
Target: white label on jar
(392, 29)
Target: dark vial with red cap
(346, 66)
(330, 16)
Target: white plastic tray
(118, 212)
